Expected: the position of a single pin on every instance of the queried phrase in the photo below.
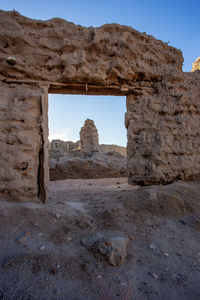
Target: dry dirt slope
(64, 250)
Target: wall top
(60, 52)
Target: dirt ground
(45, 251)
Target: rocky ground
(94, 165)
(103, 239)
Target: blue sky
(106, 111)
(176, 22)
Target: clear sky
(173, 21)
(106, 111)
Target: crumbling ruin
(89, 137)
(88, 143)
(71, 148)
(66, 147)
(86, 159)
(55, 56)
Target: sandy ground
(42, 254)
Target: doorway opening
(87, 137)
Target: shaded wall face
(20, 142)
(163, 133)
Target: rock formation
(89, 137)
(196, 65)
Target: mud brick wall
(163, 126)
(55, 56)
(20, 142)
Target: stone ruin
(55, 56)
(88, 143)
(66, 147)
(89, 161)
(89, 137)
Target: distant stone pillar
(89, 137)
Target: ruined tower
(89, 137)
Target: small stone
(139, 262)
(182, 222)
(166, 254)
(42, 247)
(53, 271)
(57, 216)
(113, 248)
(152, 246)
(84, 266)
(24, 238)
(11, 60)
(155, 275)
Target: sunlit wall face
(67, 114)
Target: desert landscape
(83, 220)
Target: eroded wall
(56, 56)
(163, 125)
(110, 58)
(20, 142)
